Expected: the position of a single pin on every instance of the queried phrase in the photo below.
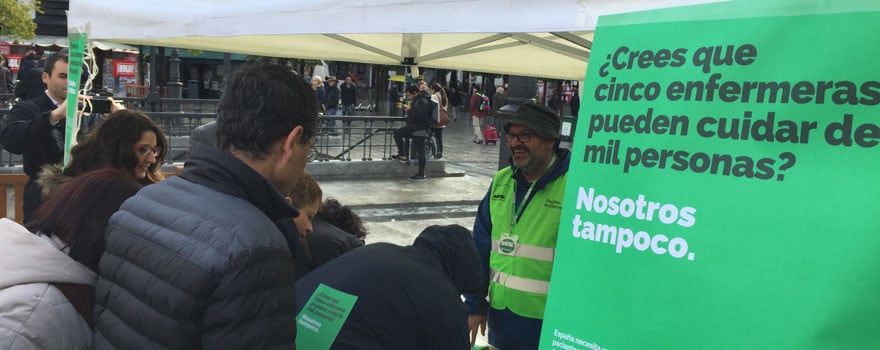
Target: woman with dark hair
(341, 216)
(127, 140)
(47, 283)
(438, 94)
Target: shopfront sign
(124, 69)
(14, 62)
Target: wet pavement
(396, 210)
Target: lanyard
(522, 205)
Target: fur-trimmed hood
(51, 179)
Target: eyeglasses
(523, 137)
(145, 150)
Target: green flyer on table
(322, 317)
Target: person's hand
(115, 105)
(476, 322)
(59, 113)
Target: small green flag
(75, 62)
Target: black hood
(454, 247)
(27, 64)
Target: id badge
(507, 244)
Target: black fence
(339, 138)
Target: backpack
(439, 115)
(485, 105)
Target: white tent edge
(519, 37)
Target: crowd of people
(227, 253)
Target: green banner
(320, 320)
(77, 45)
(723, 191)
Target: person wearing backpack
(479, 108)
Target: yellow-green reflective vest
(520, 263)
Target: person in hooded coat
(30, 78)
(408, 297)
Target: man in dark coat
(575, 103)
(407, 297)
(35, 129)
(203, 260)
(499, 100)
(30, 78)
(349, 96)
(418, 120)
(331, 102)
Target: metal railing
(365, 138)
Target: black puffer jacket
(419, 115)
(408, 297)
(197, 261)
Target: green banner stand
(76, 49)
(322, 317)
(723, 192)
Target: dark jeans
(330, 125)
(401, 139)
(32, 198)
(438, 139)
(348, 110)
(508, 331)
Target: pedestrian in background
(393, 99)
(348, 90)
(575, 103)
(499, 100)
(418, 120)
(6, 82)
(515, 231)
(438, 94)
(478, 115)
(31, 83)
(202, 260)
(408, 297)
(318, 86)
(331, 101)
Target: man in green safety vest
(515, 231)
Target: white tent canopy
(549, 39)
(61, 41)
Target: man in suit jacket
(35, 129)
